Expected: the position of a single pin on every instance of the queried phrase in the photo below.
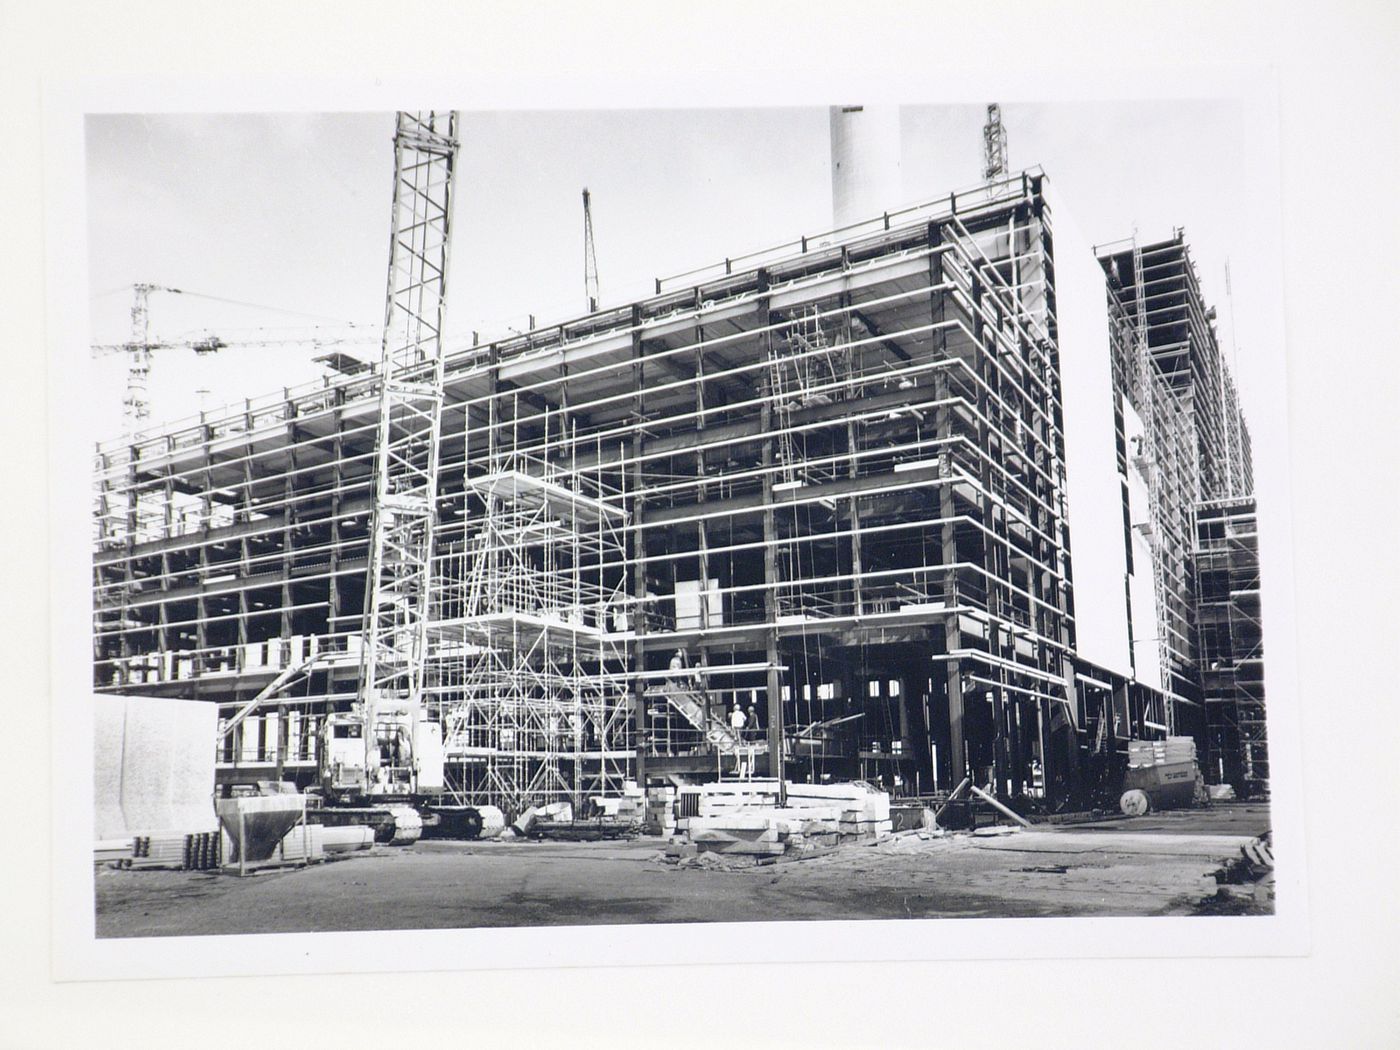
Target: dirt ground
(1161, 864)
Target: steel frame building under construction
(1232, 643)
(825, 482)
(1201, 473)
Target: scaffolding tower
(529, 675)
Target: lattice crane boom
(994, 161)
(590, 259)
(397, 592)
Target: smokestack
(865, 152)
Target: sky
(291, 211)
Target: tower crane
(137, 407)
(139, 350)
(994, 162)
(590, 260)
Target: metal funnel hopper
(256, 823)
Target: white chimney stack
(865, 154)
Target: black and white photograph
(904, 566)
(593, 531)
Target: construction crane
(399, 749)
(136, 400)
(136, 403)
(384, 755)
(590, 260)
(994, 162)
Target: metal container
(256, 823)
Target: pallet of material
(716, 799)
(734, 795)
(775, 828)
(1171, 751)
(198, 852)
(583, 830)
(763, 843)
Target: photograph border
(79, 955)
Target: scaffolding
(1165, 457)
(1232, 645)
(830, 476)
(530, 669)
(1159, 283)
(1201, 453)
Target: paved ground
(1155, 865)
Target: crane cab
(404, 759)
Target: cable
(264, 306)
(110, 291)
(238, 302)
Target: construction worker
(754, 731)
(737, 719)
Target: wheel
(1134, 803)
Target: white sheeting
(153, 766)
(1094, 487)
(1147, 658)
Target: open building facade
(829, 483)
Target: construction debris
(746, 818)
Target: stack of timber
(744, 817)
(112, 851)
(1174, 750)
(661, 811)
